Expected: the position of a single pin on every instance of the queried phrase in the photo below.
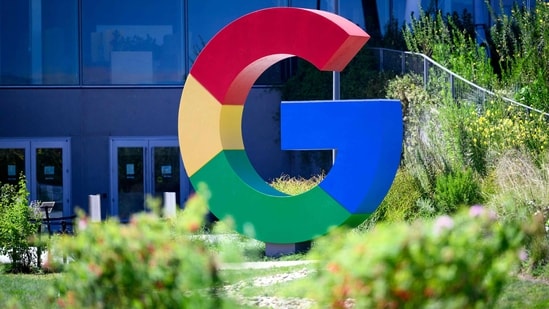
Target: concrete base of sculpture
(278, 250)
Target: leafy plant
(450, 40)
(148, 263)
(18, 226)
(520, 41)
(400, 202)
(450, 262)
(456, 189)
(499, 128)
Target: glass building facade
(123, 42)
(145, 42)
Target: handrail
(456, 76)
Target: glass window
(132, 41)
(38, 42)
(353, 11)
(325, 5)
(350, 9)
(12, 165)
(49, 177)
(448, 6)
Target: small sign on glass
(166, 171)
(130, 170)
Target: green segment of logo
(240, 193)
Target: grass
(521, 293)
(30, 291)
(296, 185)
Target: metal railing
(402, 62)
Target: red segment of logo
(233, 60)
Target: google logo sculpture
(367, 134)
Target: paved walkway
(264, 264)
(228, 266)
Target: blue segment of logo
(367, 136)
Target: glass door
(141, 167)
(131, 181)
(166, 175)
(46, 166)
(13, 162)
(50, 175)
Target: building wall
(92, 116)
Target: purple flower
(476, 210)
(479, 210)
(523, 255)
(443, 223)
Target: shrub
(450, 40)
(456, 189)
(17, 227)
(421, 154)
(148, 263)
(451, 262)
(520, 40)
(500, 127)
(400, 202)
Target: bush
(450, 262)
(422, 155)
(17, 227)
(500, 127)
(456, 189)
(148, 263)
(520, 40)
(400, 202)
(450, 40)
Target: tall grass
(519, 178)
(296, 185)
(522, 195)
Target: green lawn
(525, 294)
(30, 291)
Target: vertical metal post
(425, 72)
(94, 205)
(403, 62)
(170, 208)
(452, 88)
(381, 59)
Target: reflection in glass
(166, 172)
(448, 6)
(49, 177)
(132, 42)
(12, 165)
(38, 42)
(131, 186)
